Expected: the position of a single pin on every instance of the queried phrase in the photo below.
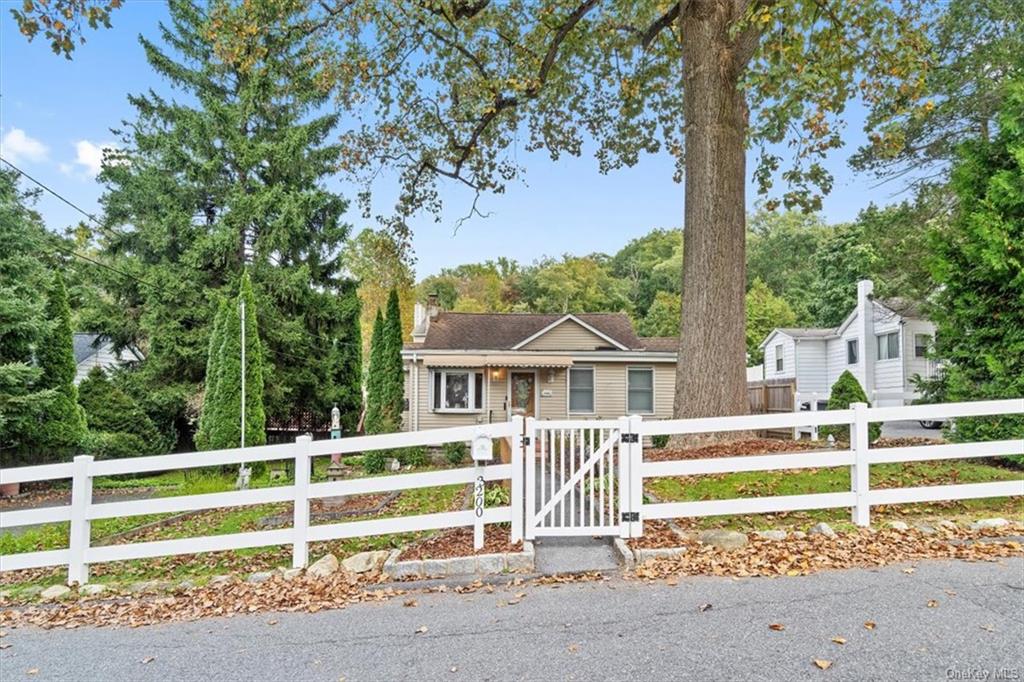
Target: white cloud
(16, 146)
(89, 155)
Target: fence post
(300, 506)
(478, 505)
(518, 456)
(529, 443)
(814, 408)
(78, 540)
(625, 488)
(859, 476)
(636, 481)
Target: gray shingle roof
(502, 331)
(85, 345)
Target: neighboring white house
(884, 343)
(93, 350)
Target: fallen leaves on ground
(839, 640)
(932, 603)
(304, 593)
(859, 548)
(741, 448)
(778, 627)
(822, 663)
(421, 630)
(869, 625)
(458, 542)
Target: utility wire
(70, 252)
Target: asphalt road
(607, 630)
(908, 429)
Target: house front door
(523, 393)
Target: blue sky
(55, 116)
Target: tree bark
(710, 373)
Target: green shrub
(414, 456)
(660, 441)
(845, 391)
(373, 462)
(497, 496)
(114, 445)
(455, 453)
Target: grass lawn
(801, 481)
(211, 522)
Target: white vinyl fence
(568, 477)
(83, 510)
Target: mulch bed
(863, 548)
(458, 542)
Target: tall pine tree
(393, 374)
(376, 420)
(979, 266)
(62, 429)
(22, 280)
(226, 178)
(223, 412)
(213, 363)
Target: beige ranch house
(474, 368)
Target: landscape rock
(925, 528)
(221, 580)
(947, 524)
(55, 592)
(323, 567)
(799, 535)
(365, 562)
(983, 524)
(898, 525)
(147, 586)
(30, 592)
(465, 565)
(519, 562)
(260, 577)
(402, 570)
(92, 589)
(291, 573)
(723, 539)
(822, 529)
(771, 534)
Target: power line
(75, 254)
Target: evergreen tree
(229, 178)
(22, 277)
(978, 265)
(117, 425)
(225, 416)
(62, 429)
(345, 360)
(393, 372)
(844, 259)
(213, 362)
(375, 418)
(845, 391)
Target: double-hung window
(778, 358)
(888, 346)
(457, 390)
(581, 390)
(640, 390)
(851, 351)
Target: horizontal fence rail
(83, 509)
(605, 497)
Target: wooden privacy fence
(771, 397)
(568, 477)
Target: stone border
(631, 558)
(481, 564)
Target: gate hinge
(630, 516)
(526, 440)
(631, 438)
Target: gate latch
(630, 516)
(526, 440)
(631, 438)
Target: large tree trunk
(710, 373)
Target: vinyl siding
(568, 336)
(836, 355)
(788, 358)
(552, 389)
(922, 366)
(811, 366)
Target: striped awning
(497, 360)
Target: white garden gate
(578, 477)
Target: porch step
(574, 555)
